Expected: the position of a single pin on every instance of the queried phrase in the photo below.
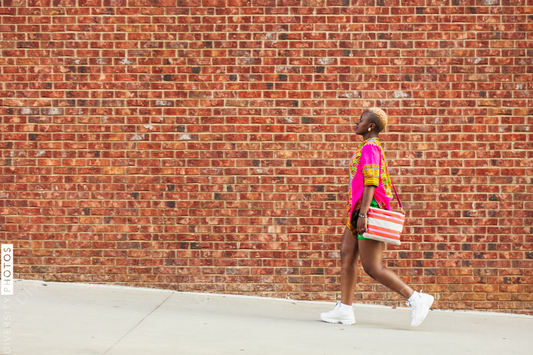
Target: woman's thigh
(349, 247)
(371, 252)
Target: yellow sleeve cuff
(371, 180)
(371, 175)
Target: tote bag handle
(393, 187)
(397, 198)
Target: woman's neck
(369, 135)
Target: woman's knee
(347, 256)
(372, 269)
(348, 247)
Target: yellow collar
(366, 140)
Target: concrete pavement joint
(118, 341)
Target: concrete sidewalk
(70, 319)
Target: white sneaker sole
(336, 321)
(428, 305)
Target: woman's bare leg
(349, 255)
(371, 252)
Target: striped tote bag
(384, 225)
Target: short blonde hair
(379, 117)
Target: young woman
(369, 188)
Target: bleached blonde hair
(379, 117)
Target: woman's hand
(361, 224)
(368, 194)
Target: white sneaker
(337, 315)
(420, 308)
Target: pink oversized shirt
(365, 170)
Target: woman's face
(361, 126)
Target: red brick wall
(203, 145)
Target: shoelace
(414, 304)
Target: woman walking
(369, 188)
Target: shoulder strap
(399, 202)
(393, 187)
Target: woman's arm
(368, 194)
(370, 161)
